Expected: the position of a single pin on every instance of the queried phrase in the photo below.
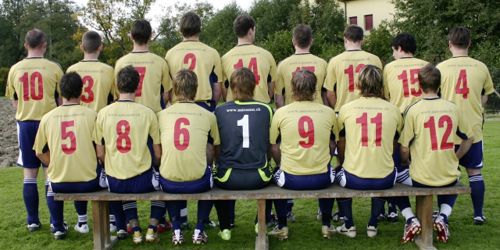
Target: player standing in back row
(467, 83)
(246, 54)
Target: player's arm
(166, 82)
(466, 142)
(329, 85)
(98, 139)
(10, 91)
(100, 153)
(154, 134)
(273, 75)
(40, 144)
(341, 138)
(214, 135)
(279, 100)
(331, 98)
(407, 135)
(488, 88)
(157, 153)
(274, 135)
(217, 71)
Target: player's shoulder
(412, 107)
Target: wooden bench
(100, 211)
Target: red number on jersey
(415, 90)
(87, 94)
(431, 125)
(306, 133)
(363, 121)
(142, 73)
(252, 66)
(180, 131)
(309, 68)
(29, 88)
(123, 142)
(190, 60)
(65, 134)
(462, 88)
(349, 71)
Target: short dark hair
(71, 85)
(429, 78)
(242, 24)
(370, 82)
(185, 84)
(242, 83)
(459, 37)
(190, 24)
(303, 85)
(141, 31)
(302, 35)
(91, 41)
(406, 42)
(128, 80)
(35, 38)
(353, 33)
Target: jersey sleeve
(274, 131)
(399, 120)
(9, 90)
(166, 81)
(154, 129)
(58, 74)
(461, 133)
(387, 95)
(272, 70)
(408, 132)
(41, 138)
(280, 82)
(214, 130)
(330, 79)
(488, 84)
(98, 129)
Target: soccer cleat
(371, 231)
(328, 232)
(210, 224)
(225, 234)
(349, 232)
(53, 229)
(392, 217)
(151, 235)
(34, 227)
(479, 220)
(381, 217)
(177, 237)
(279, 233)
(137, 238)
(290, 217)
(412, 228)
(164, 227)
(112, 228)
(59, 235)
(121, 234)
(83, 228)
(443, 233)
(199, 237)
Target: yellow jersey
(200, 58)
(342, 74)
(305, 129)
(98, 83)
(124, 128)
(463, 81)
(153, 73)
(296, 62)
(430, 125)
(258, 60)
(68, 132)
(401, 85)
(184, 130)
(33, 82)
(370, 126)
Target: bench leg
(424, 215)
(261, 242)
(100, 218)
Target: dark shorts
(474, 157)
(209, 105)
(26, 133)
(81, 187)
(143, 183)
(242, 179)
(305, 182)
(203, 184)
(348, 180)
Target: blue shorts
(81, 187)
(416, 184)
(348, 180)
(474, 157)
(396, 157)
(305, 182)
(201, 185)
(26, 133)
(143, 183)
(209, 105)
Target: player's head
(403, 43)
(353, 33)
(35, 39)
(459, 37)
(71, 86)
(242, 84)
(429, 78)
(190, 24)
(128, 80)
(91, 42)
(370, 82)
(303, 85)
(244, 25)
(302, 36)
(185, 85)
(141, 32)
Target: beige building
(367, 14)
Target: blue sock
(46, 191)
(391, 203)
(326, 206)
(345, 206)
(158, 210)
(204, 208)
(289, 205)
(183, 219)
(116, 209)
(377, 208)
(81, 210)
(130, 210)
(232, 206)
(174, 210)
(56, 209)
(30, 196)
(476, 184)
(281, 210)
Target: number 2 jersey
(305, 129)
(244, 133)
(67, 131)
(123, 128)
(463, 81)
(33, 82)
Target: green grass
(304, 233)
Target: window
(353, 20)
(368, 22)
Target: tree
(218, 31)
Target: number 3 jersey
(124, 128)
(67, 131)
(429, 127)
(244, 133)
(305, 129)
(185, 129)
(370, 126)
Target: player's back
(463, 81)
(258, 60)
(34, 83)
(202, 59)
(153, 72)
(244, 134)
(296, 62)
(98, 83)
(401, 81)
(370, 126)
(342, 74)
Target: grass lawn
(304, 233)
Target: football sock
(326, 206)
(158, 209)
(56, 209)
(116, 211)
(204, 208)
(30, 196)
(281, 210)
(391, 203)
(222, 209)
(130, 210)
(289, 204)
(174, 210)
(232, 206)
(476, 184)
(184, 212)
(407, 213)
(81, 210)
(345, 208)
(377, 208)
